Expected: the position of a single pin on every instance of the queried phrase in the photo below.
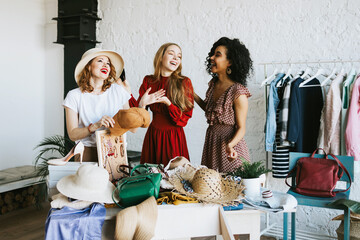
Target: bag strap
(123, 171)
(288, 175)
(345, 170)
(313, 154)
(112, 196)
(138, 166)
(129, 167)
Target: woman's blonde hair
(85, 75)
(178, 94)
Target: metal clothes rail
(268, 227)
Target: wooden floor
(29, 224)
(24, 224)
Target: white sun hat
(90, 183)
(115, 59)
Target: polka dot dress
(220, 116)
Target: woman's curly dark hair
(239, 57)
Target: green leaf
(250, 170)
(354, 206)
(54, 144)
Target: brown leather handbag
(317, 177)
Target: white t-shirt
(91, 107)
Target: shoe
(77, 149)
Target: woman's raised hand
(105, 121)
(148, 99)
(164, 100)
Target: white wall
(32, 65)
(279, 30)
(31, 79)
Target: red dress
(165, 137)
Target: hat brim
(231, 192)
(69, 188)
(118, 130)
(115, 59)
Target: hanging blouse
(330, 135)
(352, 133)
(345, 106)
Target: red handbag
(317, 177)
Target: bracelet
(89, 128)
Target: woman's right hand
(105, 121)
(148, 99)
(231, 153)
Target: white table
(195, 220)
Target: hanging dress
(220, 116)
(165, 137)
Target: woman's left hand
(231, 153)
(164, 100)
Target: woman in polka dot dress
(226, 105)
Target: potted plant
(50, 148)
(250, 174)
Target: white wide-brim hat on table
(90, 183)
(115, 59)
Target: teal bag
(137, 188)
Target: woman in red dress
(170, 97)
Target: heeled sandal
(77, 149)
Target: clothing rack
(299, 63)
(289, 63)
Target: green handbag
(135, 189)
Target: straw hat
(137, 222)
(127, 119)
(209, 186)
(115, 59)
(90, 183)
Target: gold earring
(228, 71)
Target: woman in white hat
(100, 96)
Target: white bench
(18, 177)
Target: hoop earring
(228, 71)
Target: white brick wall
(279, 30)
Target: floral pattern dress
(220, 116)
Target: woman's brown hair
(85, 75)
(177, 92)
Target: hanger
(288, 73)
(351, 75)
(317, 74)
(306, 73)
(270, 78)
(323, 83)
(285, 77)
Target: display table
(196, 220)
